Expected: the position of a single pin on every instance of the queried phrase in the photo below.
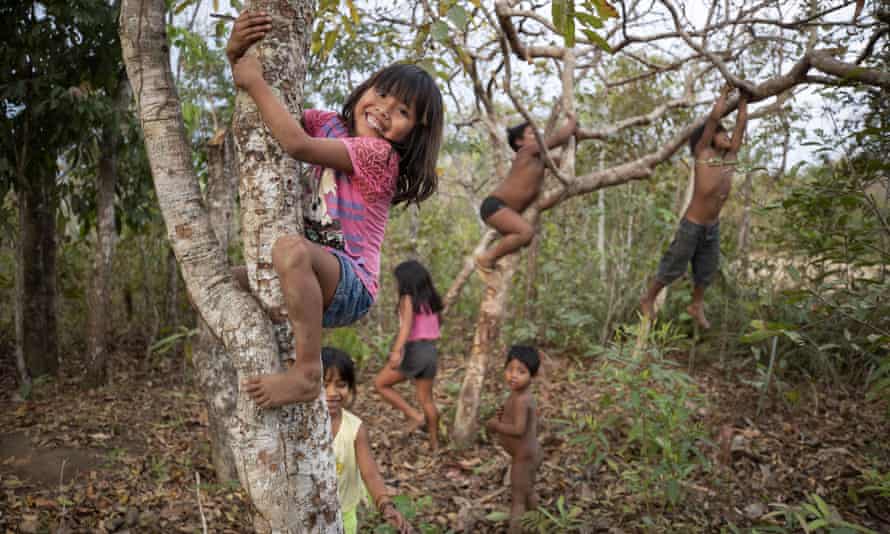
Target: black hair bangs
(412, 85)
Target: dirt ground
(125, 458)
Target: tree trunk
(742, 243)
(284, 456)
(488, 328)
(213, 365)
(103, 255)
(36, 326)
(601, 231)
(529, 304)
(171, 294)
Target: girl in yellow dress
(356, 468)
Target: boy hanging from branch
(502, 210)
(697, 240)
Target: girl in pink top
(380, 150)
(413, 354)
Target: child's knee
(379, 384)
(289, 251)
(526, 235)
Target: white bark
(284, 456)
(106, 239)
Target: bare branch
(822, 60)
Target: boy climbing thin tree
(698, 237)
(502, 210)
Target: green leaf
(590, 20)
(594, 38)
(330, 39)
(440, 31)
(458, 15)
(184, 4)
(497, 516)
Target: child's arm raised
(406, 320)
(248, 74)
(741, 121)
(374, 482)
(520, 419)
(713, 120)
(557, 138)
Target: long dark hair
(415, 281)
(417, 154)
(332, 358)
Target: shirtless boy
(517, 425)
(698, 237)
(502, 210)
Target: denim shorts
(351, 299)
(696, 244)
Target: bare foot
(698, 313)
(293, 385)
(417, 425)
(646, 308)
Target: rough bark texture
(283, 456)
(213, 365)
(36, 323)
(103, 255)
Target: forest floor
(124, 458)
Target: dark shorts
(693, 243)
(489, 206)
(351, 299)
(420, 359)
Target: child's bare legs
(425, 399)
(309, 275)
(697, 308)
(384, 382)
(516, 233)
(521, 490)
(647, 301)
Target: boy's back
(523, 183)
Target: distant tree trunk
(284, 456)
(744, 226)
(601, 231)
(36, 322)
(171, 294)
(213, 364)
(531, 277)
(99, 313)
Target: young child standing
(502, 210)
(379, 151)
(413, 354)
(698, 238)
(356, 468)
(517, 424)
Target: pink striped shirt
(350, 211)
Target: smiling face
(337, 392)
(382, 115)
(517, 375)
